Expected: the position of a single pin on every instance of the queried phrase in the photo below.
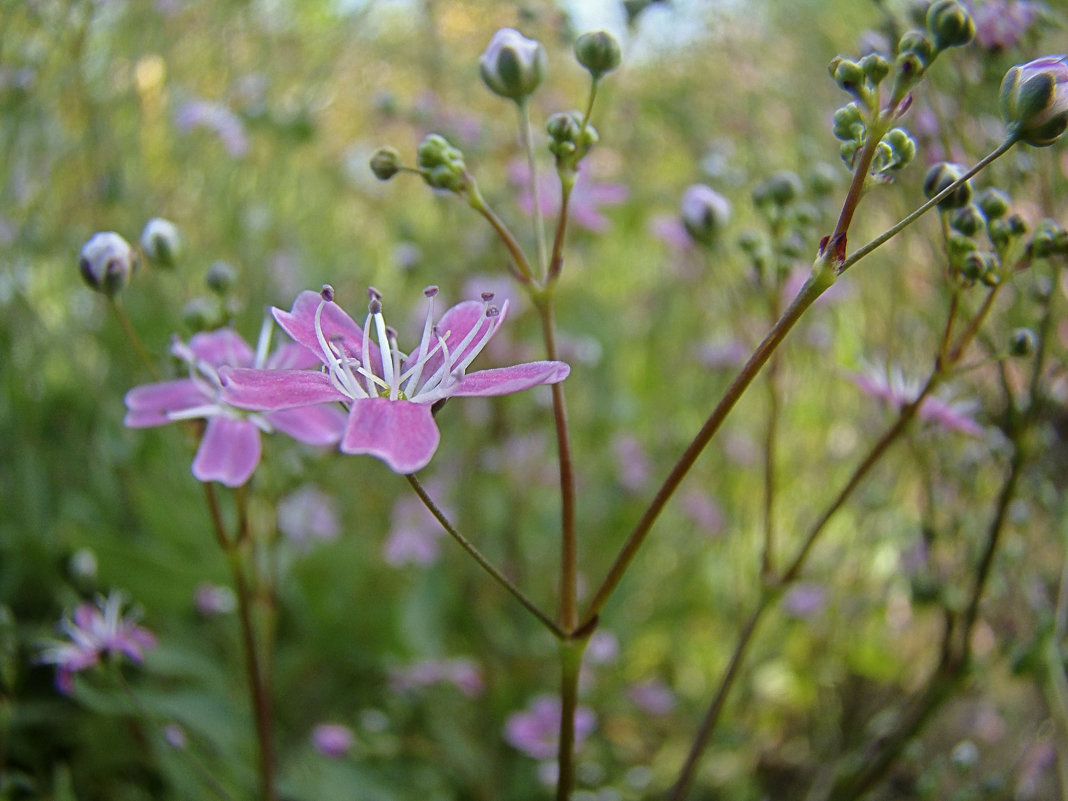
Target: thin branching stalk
(135, 340)
(571, 651)
(483, 562)
(526, 137)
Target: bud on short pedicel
(442, 165)
(161, 242)
(950, 24)
(939, 177)
(598, 52)
(705, 213)
(1034, 100)
(385, 163)
(568, 141)
(107, 262)
(512, 65)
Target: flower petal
(400, 433)
(150, 404)
(454, 325)
(228, 453)
(224, 346)
(314, 425)
(299, 323)
(272, 390)
(291, 356)
(505, 380)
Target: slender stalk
(521, 267)
(483, 562)
(905, 222)
(682, 785)
(135, 340)
(526, 137)
(813, 288)
(556, 260)
(571, 651)
(767, 558)
(876, 130)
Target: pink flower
(464, 674)
(584, 205)
(390, 395)
(218, 118)
(95, 631)
(332, 739)
(230, 448)
(652, 697)
(890, 385)
(536, 730)
(414, 533)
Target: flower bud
(848, 75)
(203, 313)
(567, 139)
(161, 242)
(780, 189)
(512, 65)
(973, 266)
(1022, 342)
(1049, 238)
(385, 163)
(968, 220)
(950, 24)
(993, 202)
(442, 165)
(107, 262)
(221, 277)
(900, 150)
(1034, 100)
(939, 177)
(916, 43)
(875, 67)
(849, 123)
(704, 212)
(598, 52)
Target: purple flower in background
(652, 697)
(230, 448)
(669, 229)
(999, 24)
(214, 599)
(632, 462)
(463, 674)
(890, 385)
(584, 205)
(216, 117)
(703, 511)
(95, 631)
(414, 533)
(804, 600)
(390, 395)
(536, 730)
(332, 739)
(306, 515)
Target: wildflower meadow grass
(449, 399)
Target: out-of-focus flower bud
(939, 178)
(567, 139)
(442, 165)
(849, 123)
(916, 43)
(107, 262)
(968, 220)
(598, 52)
(780, 189)
(908, 69)
(512, 65)
(161, 242)
(221, 277)
(1034, 100)
(849, 76)
(973, 266)
(705, 213)
(203, 314)
(823, 178)
(896, 151)
(385, 163)
(1049, 239)
(994, 203)
(875, 67)
(950, 24)
(1022, 342)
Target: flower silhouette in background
(535, 731)
(890, 385)
(218, 119)
(584, 205)
(93, 632)
(230, 448)
(390, 395)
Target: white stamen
(383, 347)
(194, 412)
(477, 349)
(340, 377)
(263, 344)
(424, 346)
(365, 356)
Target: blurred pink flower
(308, 515)
(230, 448)
(219, 119)
(92, 632)
(535, 731)
(414, 533)
(1000, 24)
(632, 462)
(214, 599)
(463, 674)
(804, 600)
(652, 697)
(889, 384)
(584, 205)
(332, 740)
(668, 228)
(703, 511)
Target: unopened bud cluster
(971, 215)
(895, 150)
(569, 139)
(442, 165)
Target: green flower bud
(823, 179)
(968, 220)
(385, 163)
(1049, 239)
(221, 277)
(950, 24)
(1022, 342)
(1034, 100)
(1017, 225)
(567, 139)
(203, 314)
(908, 69)
(161, 242)
(442, 165)
(973, 266)
(704, 213)
(107, 262)
(939, 177)
(900, 150)
(849, 123)
(916, 43)
(993, 202)
(780, 189)
(598, 52)
(958, 246)
(512, 65)
(875, 67)
(848, 75)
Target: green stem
(483, 562)
(571, 651)
(815, 286)
(556, 261)
(522, 270)
(135, 340)
(526, 137)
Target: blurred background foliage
(250, 123)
